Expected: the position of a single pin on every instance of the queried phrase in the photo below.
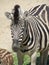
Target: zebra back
(42, 12)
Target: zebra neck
(32, 37)
(29, 40)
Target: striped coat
(42, 12)
(5, 57)
(31, 34)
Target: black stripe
(40, 37)
(25, 50)
(43, 31)
(44, 25)
(27, 35)
(31, 34)
(43, 15)
(39, 10)
(34, 9)
(47, 8)
(45, 36)
(26, 40)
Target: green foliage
(27, 59)
(15, 59)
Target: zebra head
(19, 34)
(18, 26)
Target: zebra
(30, 35)
(6, 57)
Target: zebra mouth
(15, 49)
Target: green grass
(27, 59)
(15, 59)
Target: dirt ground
(7, 5)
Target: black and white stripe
(42, 12)
(5, 57)
(36, 29)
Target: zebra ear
(8, 15)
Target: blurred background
(7, 5)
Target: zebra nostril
(12, 36)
